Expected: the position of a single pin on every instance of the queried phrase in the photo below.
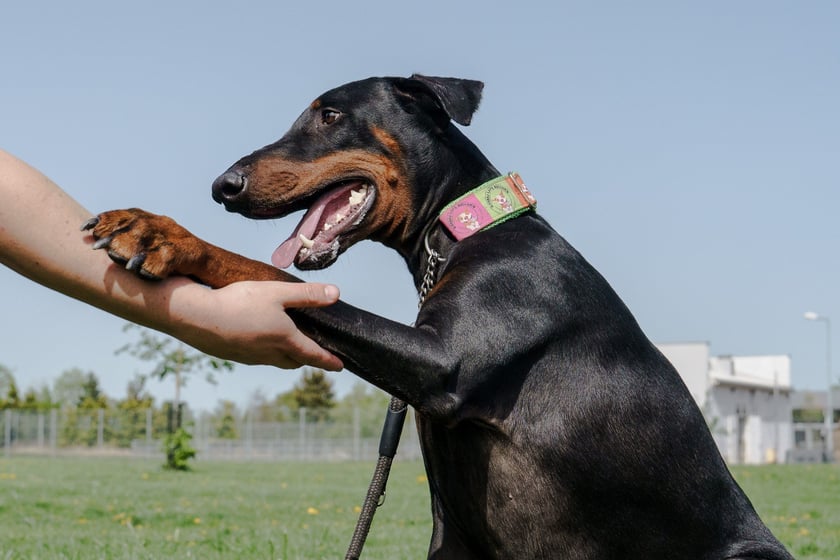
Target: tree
(173, 358)
(30, 400)
(371, 404)
(68, 388)
(314, 392)
(285, 406)
(7, 386)
(81, 421)
(12, 398)
(92, 396)
(224, 420)
(45, 399)
(131, 413)
(261, 409)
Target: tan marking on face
(276, 181)
(388, 141)
(315, 104)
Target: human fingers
(296, 346)
(305, 351)
(308, 294)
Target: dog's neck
(459, 166)
(432, 240)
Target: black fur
(551, 427)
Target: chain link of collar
(430, 277)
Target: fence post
(357, 434)
(249, 434)
(53, 429)
(7, 447)
(302, 433)
(100, 428)
(41, 428)
(148, 432)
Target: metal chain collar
(430, 277)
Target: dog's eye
(328, 116)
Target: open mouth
(316, 240)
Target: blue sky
(690, 151)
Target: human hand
(246, 322)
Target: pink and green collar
(487, 205)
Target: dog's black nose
(229, 186)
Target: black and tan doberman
(551, 427)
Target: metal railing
(138, 433)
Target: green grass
(131, 509)
(800, 504)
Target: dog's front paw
(150, 245)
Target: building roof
(755, 372)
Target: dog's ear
(456, 97)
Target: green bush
(178, 450)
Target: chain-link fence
(138, 432)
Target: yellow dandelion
(422, 479)
(197, 521)
(8, 476)
(144, 476)
(82, 521)
(312, 511)
(357, 509)
(803, 532)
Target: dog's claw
(90, 224)
(148, 275)
(116, 257)
(135, 262)
(104, 242)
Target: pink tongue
(285, 254)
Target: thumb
(309, 294)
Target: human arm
(245, 322)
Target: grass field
(130, 509)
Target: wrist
(185, 309)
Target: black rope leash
(388, 442)
(391, 431)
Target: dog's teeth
(304, 251)
(327, 226)
(307, 243)
(357, 196)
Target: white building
(746, 400)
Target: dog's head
(356, 160)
